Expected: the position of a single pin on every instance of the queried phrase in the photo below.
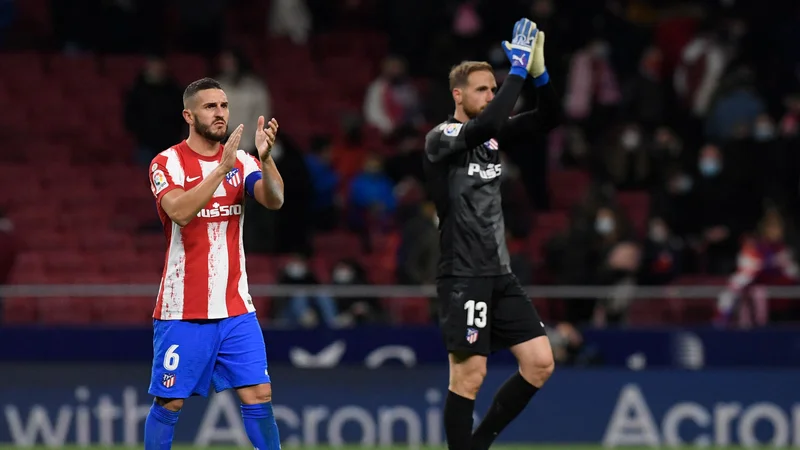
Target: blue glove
(536, 67)
(520, 50)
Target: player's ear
(187, 116)
(457, 95)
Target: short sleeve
(252, 170)
(166, 174)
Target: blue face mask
(709, 167)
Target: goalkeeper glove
(520, 49)
(536, 67)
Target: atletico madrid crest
(472, 335)
(168, 380)
(234, 178)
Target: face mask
(604, 225)
(658, 234)
(631, 139)
(343, 275)
(763, 133)
(709, 167)
(296, 269)
(683, 184)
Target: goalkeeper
(482, 306)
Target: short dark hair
(197, 86)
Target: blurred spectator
(371, 199)
(406, 162)
(616, 259)
(355, 310)
(515, 203)
(152, 111)
(247, 94)
(290, 18)
(392, 100)
(735, 109)
(666, 155)
(596, 250)
(716, 212)
(348, 152)
(764, 259)
(592, 92)
(418, 256)
(644, 99)
(569, 347)
(699, 70)
(294, 223)
(627, 163)
(325, 181)
(662, 256)
(302, 308)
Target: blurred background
(656, 228)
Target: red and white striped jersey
(204, 273)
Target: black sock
(509, 401)
(458, 421)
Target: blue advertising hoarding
(419, 346)
(107, 404)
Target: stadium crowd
(677, 159)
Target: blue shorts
(189, 355)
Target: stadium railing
(393, 291)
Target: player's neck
(201, 145)
(460, 115)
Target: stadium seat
(636, 206)
(65, 311)
(124, 310)
(337, 244)
(567, 188)
(19, 310)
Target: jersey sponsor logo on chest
(491, 171)
(218, 210)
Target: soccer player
(205, 327)
(483, 307)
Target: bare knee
(466, 375)
(535, 358)
(256, 394)
(538, 371)
(171, 404)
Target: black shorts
(480, 315)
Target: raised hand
(228, 160)
(265, 137)
(520, 49)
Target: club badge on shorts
(168, 380)
(472, 335)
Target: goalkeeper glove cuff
(542, 79)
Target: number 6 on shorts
(473, 307)
(171, 359)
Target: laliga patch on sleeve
(452, 129)
(159, 181)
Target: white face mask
(658, 234)
(343, 275)
(631, 139)
(604, 225)
(296, 269)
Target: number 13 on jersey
(476, 313)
